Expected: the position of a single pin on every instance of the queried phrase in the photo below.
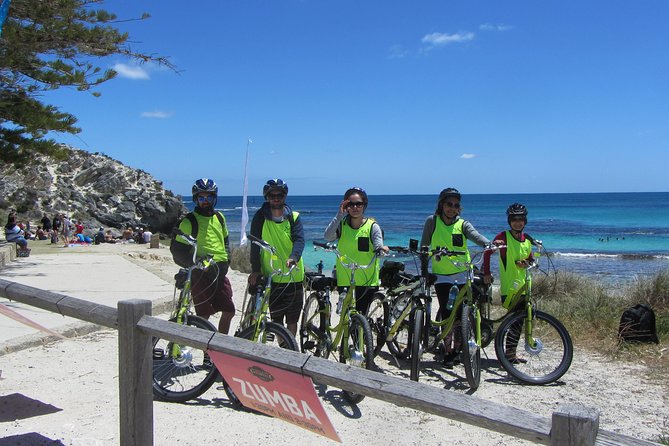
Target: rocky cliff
(91, 187)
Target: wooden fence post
(135, 375)
(574, 425)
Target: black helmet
(516, 210)
(449, 192)
(204, 185)
(357, 190)
(275, 184)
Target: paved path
(95, 275)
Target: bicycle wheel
(542, 363)
(416, 345)
(377, 315)
(312, 328)
(357, 350)
(181, 372)
(471, 352)
(400, 345)
(271, 333)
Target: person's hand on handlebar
(253, 278)
(291, 262)
(523, 263)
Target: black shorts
(286, 301)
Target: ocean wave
(625, 256)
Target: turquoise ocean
(612, 237)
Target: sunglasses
(452, 205)
(275, 196)
(356, 204)
(517, 219)
(207, 198)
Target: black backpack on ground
(637, 324)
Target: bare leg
(224, 322)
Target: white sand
(66, 393)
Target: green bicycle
(255, 324)
(410, 331)
(182, 372)
(532, 346)
(351, 337)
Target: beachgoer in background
(99, 236)
(360, 238)
(146, 235)
(109, 237)
(56, 225)
(446, 229)
(277, 224)
(515, 255)
(40, 234)
(127, 234)
(78, 227)
(46, 224)
(211, 289)
(67, 229)
(13, 233)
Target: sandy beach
(66, 393)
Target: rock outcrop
(91, 187)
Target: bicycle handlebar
(262, 244)
(329, 246)
(198, 263)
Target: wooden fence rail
(569, 425)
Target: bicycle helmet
(206, 185)
(275, 184)
(516, 210)
(359, 191)
(449, 192)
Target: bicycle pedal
(308, 345)
(269, 337)
(158, 353)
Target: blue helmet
(206, 185)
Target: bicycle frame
(348, 307)
(259, 316)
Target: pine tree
(46, 45)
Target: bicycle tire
(271, 333)
(360, 350)
(377, 315)
(416, 344)
(544, 363)
(186, 377)
(471, 352)
(312, 328)
(400, 345)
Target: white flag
(245, 211)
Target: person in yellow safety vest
(359, 238)
(211, 289)
(277, 224)
(445, 229)
(515, 255)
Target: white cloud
(467, 156)
(157, 114)
(131, 71)
(438, 39)
(495, 27)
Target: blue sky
(397, 97)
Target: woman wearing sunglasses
(359, 238)
(445, 229)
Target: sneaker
(450, 359)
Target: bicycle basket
(390, 274)
(180, 278)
